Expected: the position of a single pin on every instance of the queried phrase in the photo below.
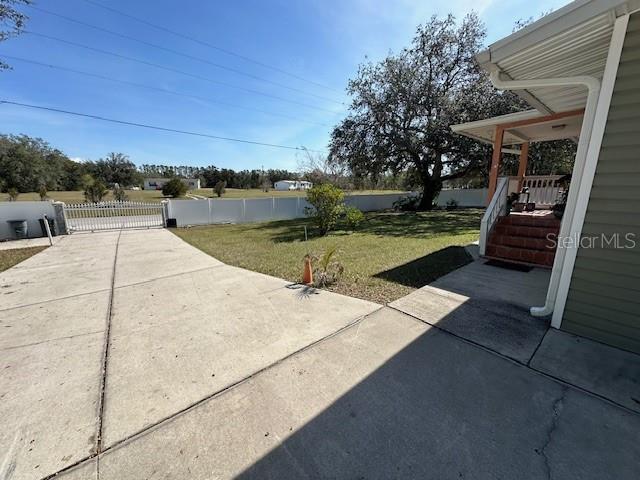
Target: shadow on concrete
(424, 270)
(442, 409)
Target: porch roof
(574, 40)
(524, 128)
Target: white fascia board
(550, 25)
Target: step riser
(530, 232)
(542, 244)
(523, 221)
(523, 255)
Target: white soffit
(571, 41)
(484, 130)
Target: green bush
(13, 194)
(94, 190)
(353, 216)
(174, 188)
(119, 194)
(220, 187)
(327, 203)
(407, 204)
(42, 191)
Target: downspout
(593, 87)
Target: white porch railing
(544, 190)
(496, 208)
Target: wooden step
(527, 220)
(525, 231)
(546, 244)
(520, 255)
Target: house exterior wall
(604, 294)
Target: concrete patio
(134, 355)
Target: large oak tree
(402, 108)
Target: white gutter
(592, 84)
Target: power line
(155, 127)
(174, 70)
(163, 90)
(185, 55)
(209, 45)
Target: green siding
(604, 295)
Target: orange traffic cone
(307, 273)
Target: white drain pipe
(592, 85)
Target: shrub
(327, 271)
(452, 204)
(174, 188)
(407, 204)
(13, 194)
(42, 191)
(94, 190)
(220, 188)
(353, 216)
(327, 202)
(119, 194)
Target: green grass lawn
(387, 257)
(257, 193)
(156, 195)
(9, 258)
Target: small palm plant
(327, 270)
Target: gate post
(165, 212)
(60, 217)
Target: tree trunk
(429, 194)
(431, 183)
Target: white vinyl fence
(211, 211)
(32, 212)
(464, 197)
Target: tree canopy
(12, 21)
(403, 106)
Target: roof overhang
(521, 127)
(571, 41)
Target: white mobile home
(284, 185)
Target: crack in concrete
(557, 407)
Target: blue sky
(319, 40)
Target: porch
(527, 235)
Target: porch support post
(522, 166)
(495, 162)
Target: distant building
(284, 185)
(158, 183)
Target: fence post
(60, 217)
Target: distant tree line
(31, 164)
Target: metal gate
(84, 217)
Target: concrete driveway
(134, 355)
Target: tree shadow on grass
(394, 224)
(424, 270)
